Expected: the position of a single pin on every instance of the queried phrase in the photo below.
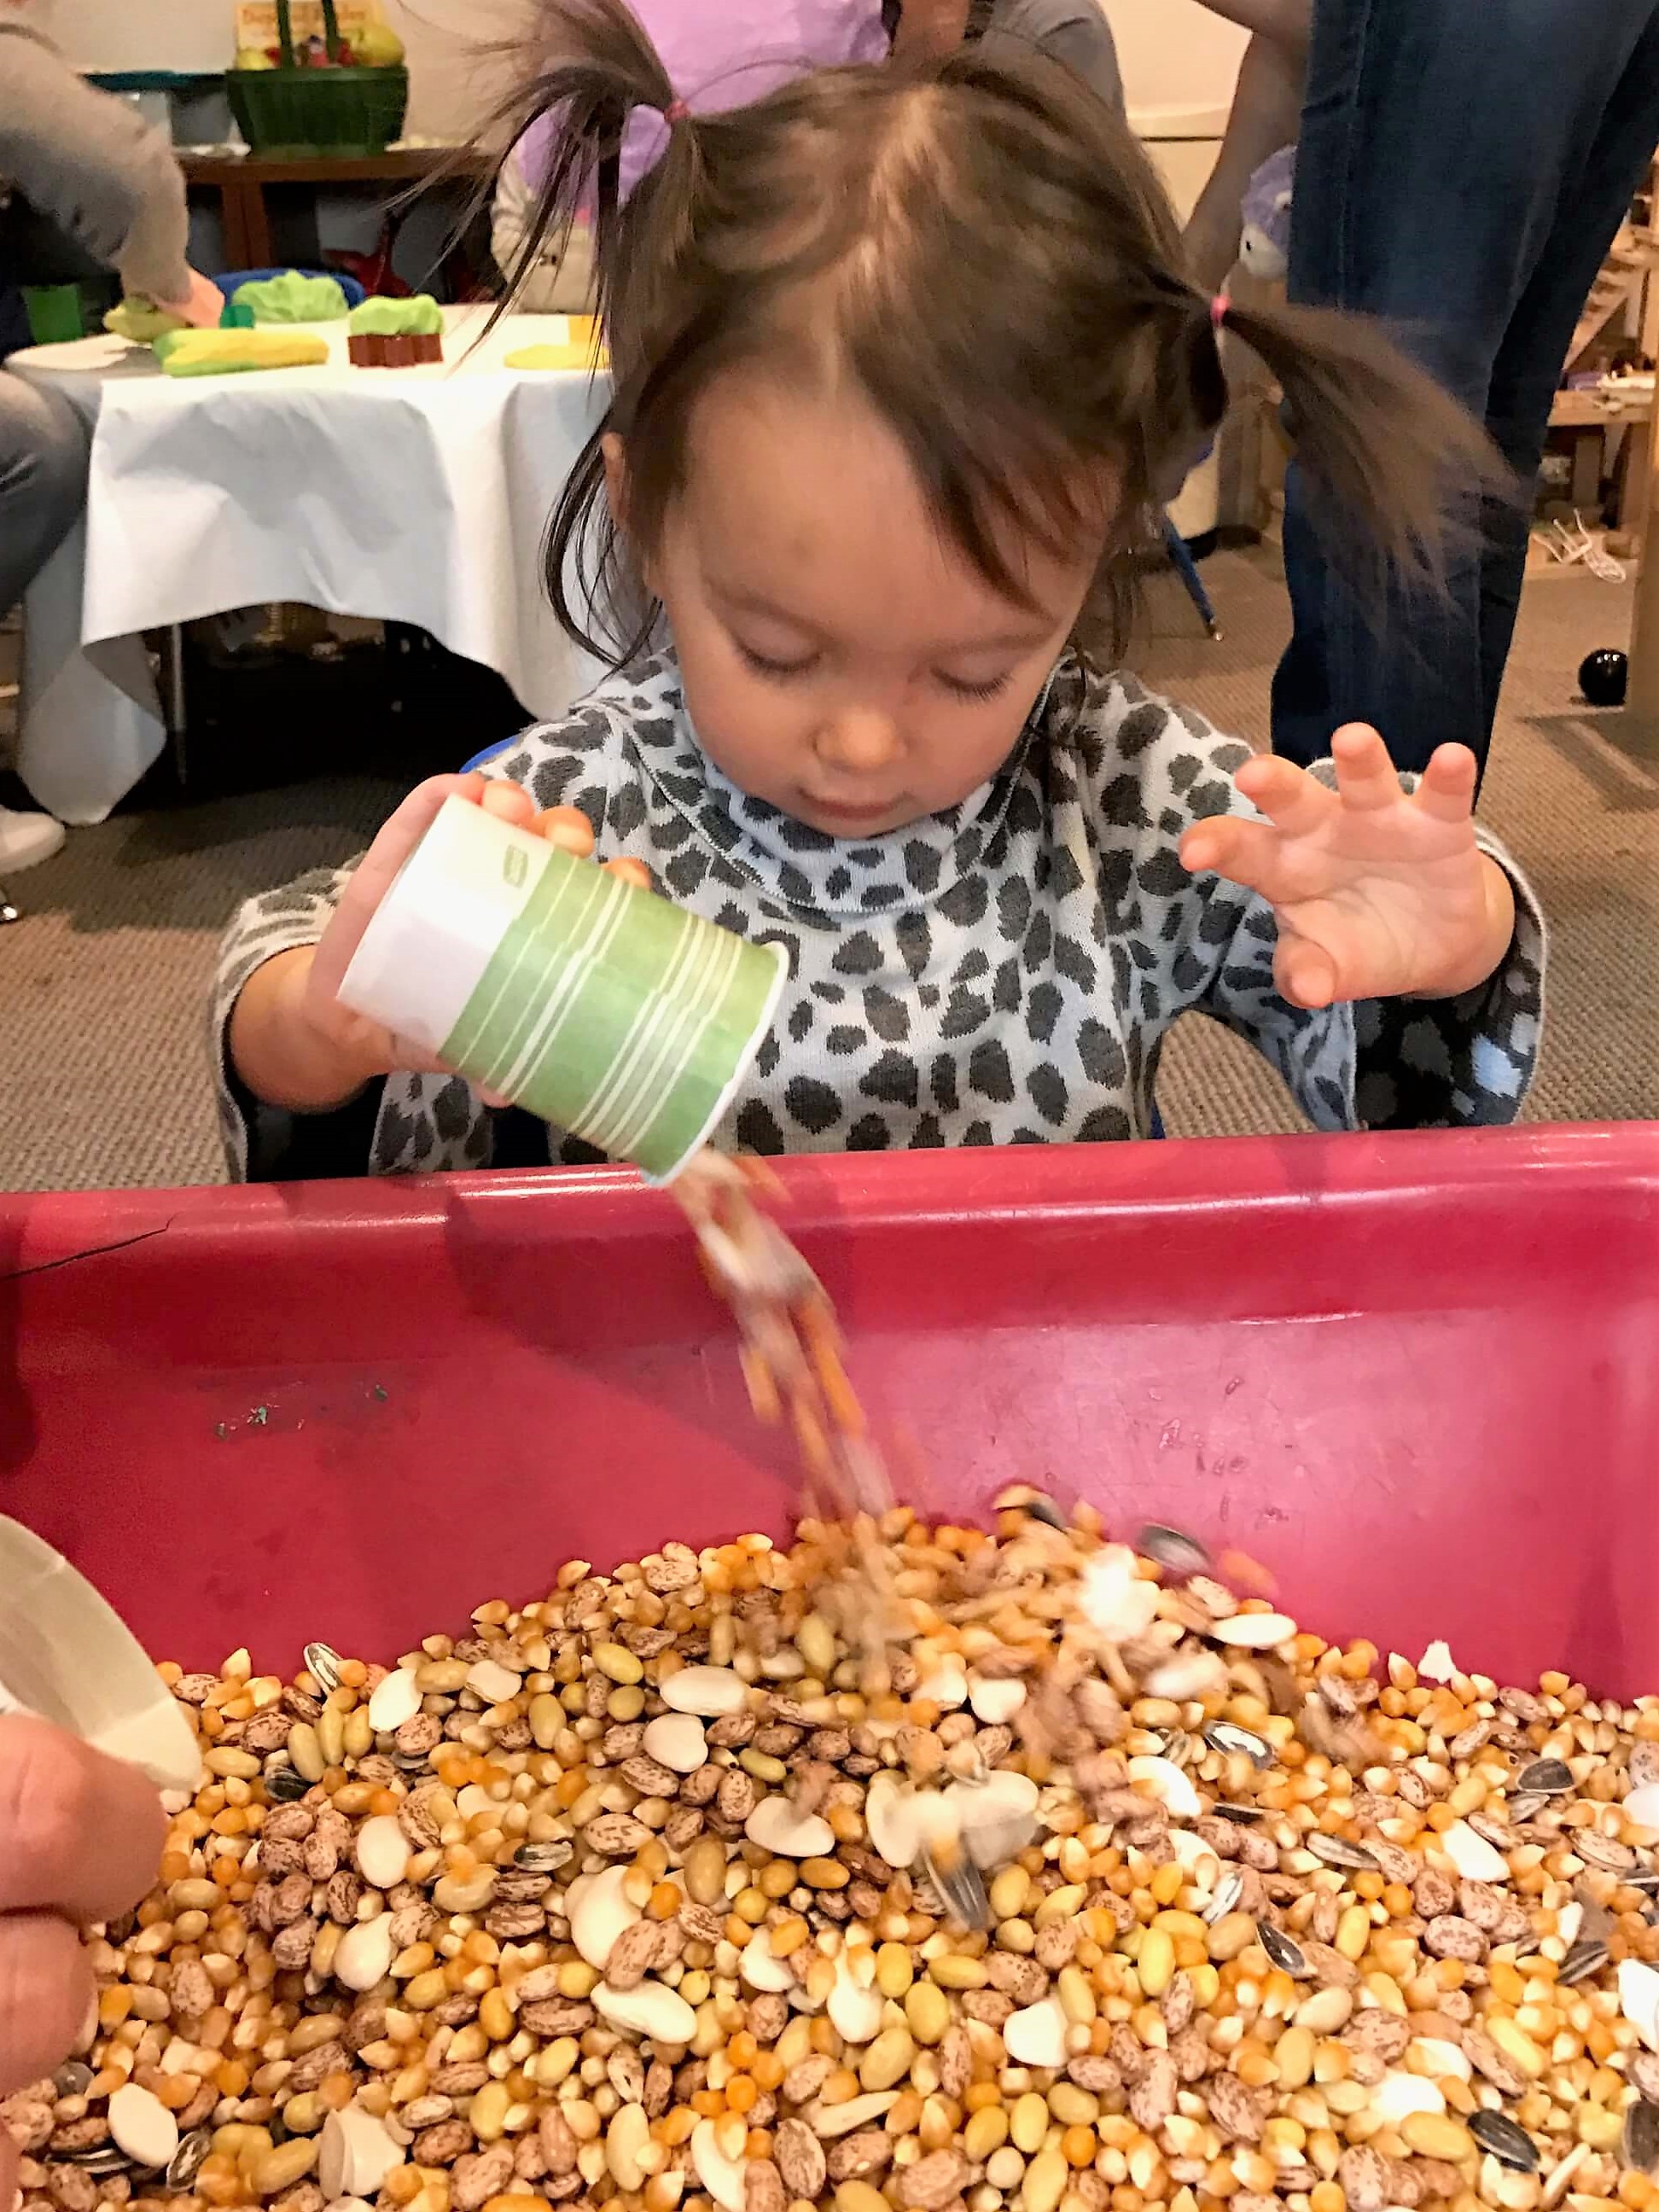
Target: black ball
(1603, 676)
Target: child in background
(899, 355)
(720, 53)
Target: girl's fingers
(1287, 795)
(1445, 791)
(631, 872)
(1304, 972)
(567, 827)
(508, 802)
(1246, 853)
(1366, 779)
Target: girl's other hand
(1377, 893)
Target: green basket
(306, 114)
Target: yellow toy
(582, 348)
(221, 353)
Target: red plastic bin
(1414, 1375)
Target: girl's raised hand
(1377, 894)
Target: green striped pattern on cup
(619, 1017)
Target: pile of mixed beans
(1087, 1885)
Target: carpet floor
(103, 1074)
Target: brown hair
(979, 241)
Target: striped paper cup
(603, 1009)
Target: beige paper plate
(67, 1656)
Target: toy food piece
(222, 353)
(378, 46)
(581, 349)
(141, 321)
(396, 333)
(293, 297)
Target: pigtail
(591, 66)
(1397, 469)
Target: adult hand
(79, 1839)
(1290, 21)
(1377, 894)
(201, 306)
(931, 27)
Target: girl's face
(841, 659)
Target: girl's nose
(859, 741)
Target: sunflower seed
(1526, 1809)
(1226, 1737)
(960, 1888)
(1549, 1778)
(284, 1783)
(1176, 1552)
(1180, 1749)
(103, 2158)
(1508, 2143)
(544, 1858)
(1282, 1951)
(1640, 2146)
(1039, 1508)
(1244, 1815)
(1584, 1958)
(323, 1665)
(1339, 1851)
(1229, 1890)
(72, 2079)
(188, 2158)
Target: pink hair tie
(1220, 307)
(676, 111)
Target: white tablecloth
(418, 496)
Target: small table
(240, 181)
(418, 496)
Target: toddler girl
(902, 359)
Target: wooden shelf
(240, 181)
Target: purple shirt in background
(724, 53)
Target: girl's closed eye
(782, 666)
(987, 687)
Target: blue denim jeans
(1462, 169)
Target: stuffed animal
(1265, 247)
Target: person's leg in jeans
(1528, 369)
(1459, 172)
(42, 481)
(43, 486)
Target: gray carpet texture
(103, 1074)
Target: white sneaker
(25, 838)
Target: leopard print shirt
(1004, 973)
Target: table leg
(256, 226)
(1642, 691)
(233, 243)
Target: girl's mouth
(854, 815)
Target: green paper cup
(603, 1009)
